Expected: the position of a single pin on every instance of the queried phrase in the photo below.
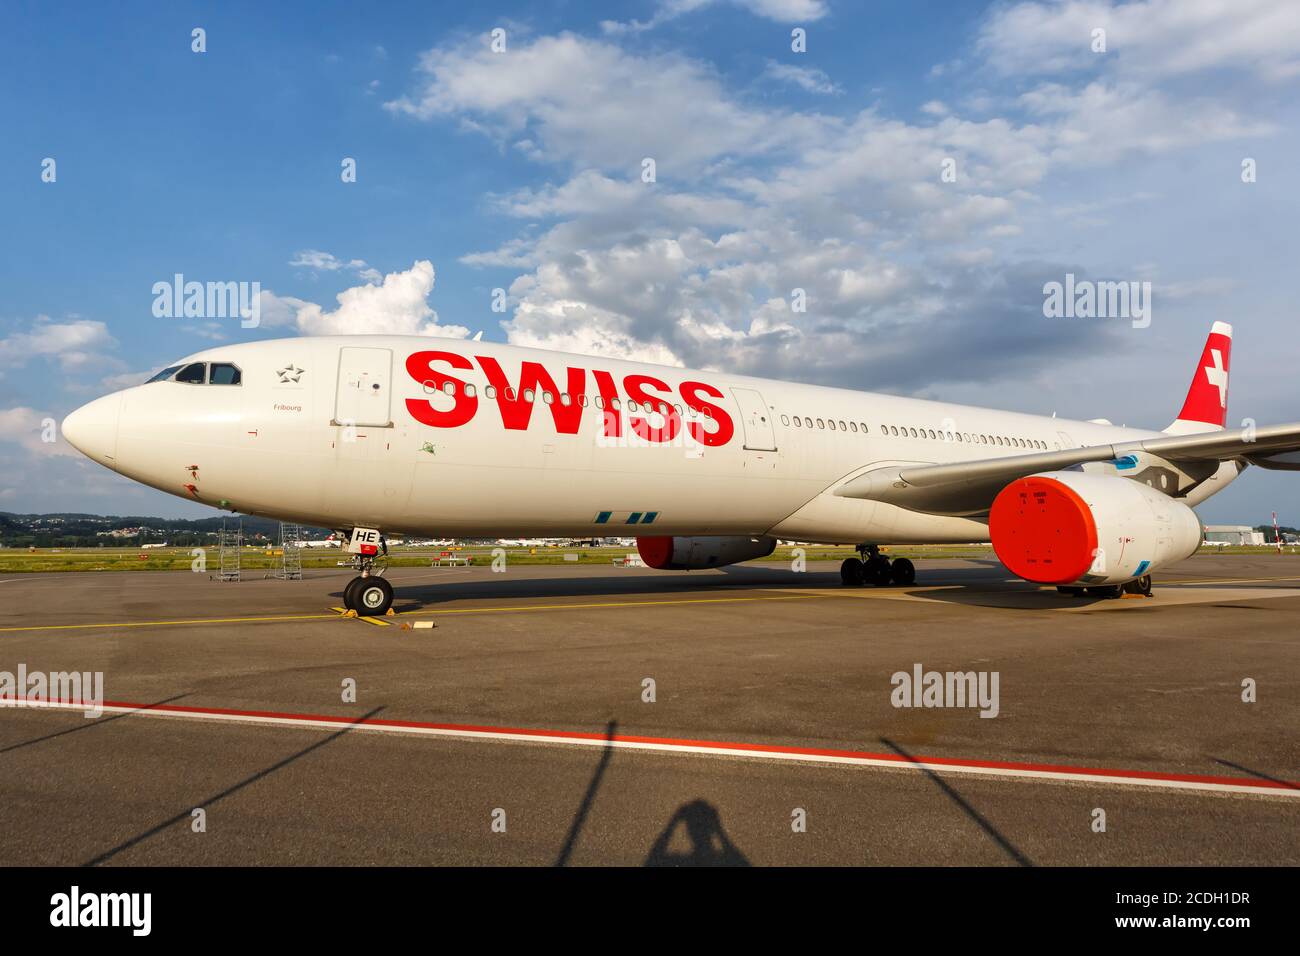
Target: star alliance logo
(290, 373)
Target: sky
(920, 170)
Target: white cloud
(808, 79)
(1154, 37)
(781, 11)
(318, 261)
(27, 427)
(72, 344)
(754, 200)
(396, 306)
(587, 102)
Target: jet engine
(1071, 528)
(692, 554)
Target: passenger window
(490, 391)
(832, 424)
(224, 373)
(548, 398)
(797, 423)
(509, 394)
(821, 423)
(449, 388)
(195, 373)
(914, 435)
(631, 405)
(853, 427)
(470, 390)
(529, 395)
(785, 419)
(165, 374)
(564, 399)
(582, 400)
(614, 404)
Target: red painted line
(333, 721)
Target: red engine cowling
(1069, 527)
(692, 554)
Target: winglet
(1206, 406)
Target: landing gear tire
(350, 593)
(1140, 586)
(1105, 591)
(902, 572)
(852, 573)
(371, 596)
(877, 572)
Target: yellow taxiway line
(524, 608)
(192, 620)
(386, 623)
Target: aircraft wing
(969, 487)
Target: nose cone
(92, 429)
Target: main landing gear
(874, 568)
(369, 594)
(1139, 587)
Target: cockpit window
(165, 374)
(224, 374)
(193, 374)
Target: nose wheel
(368, 595)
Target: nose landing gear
(368, 594)
(874, 568)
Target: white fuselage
(361, 431)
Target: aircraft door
(363, 397)
(757, 420)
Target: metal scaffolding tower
(231, 544)
(290, 567)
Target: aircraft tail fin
(1206, 407)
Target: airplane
(376, 434)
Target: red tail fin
(1206, 406)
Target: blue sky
(521, 170)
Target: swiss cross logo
(1207, 399)
(1217, 376)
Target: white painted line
(1113, 777)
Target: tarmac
(593, 715)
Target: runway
(517, 729)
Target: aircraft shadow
(412, 595)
